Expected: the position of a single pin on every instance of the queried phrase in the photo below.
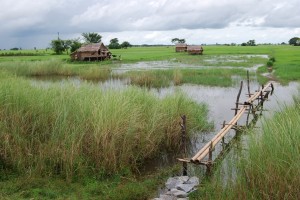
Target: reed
(177, 77)
(150, 78)
(72, 130)
(55, 67)
(95, 73)
(272, 169)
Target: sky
(34, 23)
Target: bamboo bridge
(249, 105)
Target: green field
(80, 142)
(286, 65)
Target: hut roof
(91, 47)
(181, 45)
(194, 48)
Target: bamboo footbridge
(260, 95)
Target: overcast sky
(34, 23)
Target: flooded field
(220, 101)
(209, 62)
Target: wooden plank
(184, 160)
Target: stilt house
(91, 52)
(195, 50)
(181, 47)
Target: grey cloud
(24, 18)
(131, 15)
(285, 14)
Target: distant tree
(58, 46)
(67, 45)
(91, 37)
(76, 44)
(125, 45)
(251, 43)
(14, 49)
(114, 44)
(174, 40)
(177, 40)
(293, 41)
(181, 41)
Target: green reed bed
(269, 169)
(149, 78)
(165, 78)
(54, 67)
(68, 130)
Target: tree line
(59, 46)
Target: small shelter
(180, 47)
(195, 50)
(91, 52)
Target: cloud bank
(31, 23)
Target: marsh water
(210, 62)
(220, 101)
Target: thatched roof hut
(195, 49)
(91, 52)
(180, 47)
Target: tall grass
(71, 130)
(273, 168)
(270, 168)
(165, 78)
(55, 67)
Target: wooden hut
(91, 52)
(180, 47)
(195, 50)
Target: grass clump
(71, 131)
(150, 78)
(165, 78)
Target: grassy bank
(121, 186)
(269, 169)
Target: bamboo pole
(248, 84)
(238, 98)
(183, 138)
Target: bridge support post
(223, 139)
(238, 98)
(209, 163)
(248, 84)
(183, 143)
